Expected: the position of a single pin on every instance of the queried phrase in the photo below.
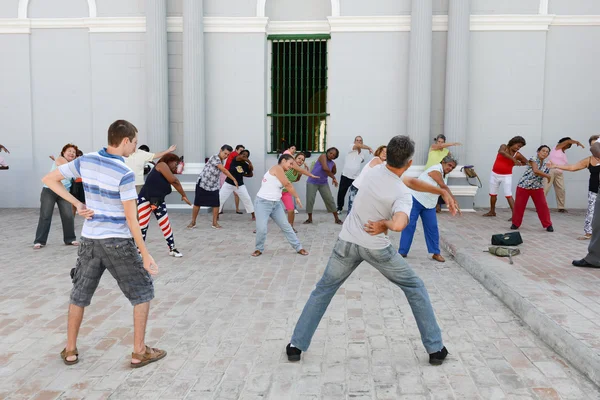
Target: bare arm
(250, 173)
(504, 151)
(564, 144)
(60, 161)
(323, 160)
(441, 146)
(167, 151)
(130, 208)
(227, 173)
(582, 164)
(375, 161)
(303, 171)
(53, 181)
(164, 169)
(521, 158)
(280, 174)
(420, 186)
(537, 171)
(362, 146)
(439, 179)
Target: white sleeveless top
(360, 178)
(270, 188)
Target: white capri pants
(242, 192)
(497, 180)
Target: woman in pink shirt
(558, 157)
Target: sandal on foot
(339, 222)
(308, 221)
(239, 212)
(217, 226)
(584, 237)
(37, 246)
(151, 355)
(73, 243)
(64, 354)
(303, 252)
(256, 253)
(489, 214)
(191, 226)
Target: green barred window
(298, 92)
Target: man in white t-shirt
(138, 160)
(352, 168)
(383, 202)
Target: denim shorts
(120, 257)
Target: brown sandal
(64, 354)
(256, 253)
(303, 252)
(151, 355)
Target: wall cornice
(397, 23)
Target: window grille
(298, 92)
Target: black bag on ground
(507, 239)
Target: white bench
(464, 192)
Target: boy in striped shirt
(106, 238)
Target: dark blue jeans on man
(48, 199)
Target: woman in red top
(508, 156)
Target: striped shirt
(107, 182)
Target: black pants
(343, 189)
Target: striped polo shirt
(107, 182)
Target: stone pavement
(561, 303)
(225, 319)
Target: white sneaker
(295, 211)
(175, 253)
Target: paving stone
(225, 319)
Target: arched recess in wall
(24, 6)
(261, 6)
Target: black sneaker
(550, 229)
(513, 227)
(438, 358)
(293, 353)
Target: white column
(457, 76)
(194, 135)
(419, 78)
(157, 76)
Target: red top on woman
(503, 165)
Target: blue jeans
(263, 210)
(351, 196)
(344, 259)
(47, 199)
(430, 228)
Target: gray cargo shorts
(122, 260)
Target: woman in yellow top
(437, 152)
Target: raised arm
(167, 151)
(564, 144)
(421, 186)
(578, 166)
(504, 151)
(357, 146)
(303, 171)
(164, 169)
(537, 171)
(4, 148)
(440, 146)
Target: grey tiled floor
(225, 319)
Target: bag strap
(479, 185)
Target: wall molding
(392, 23)
(397, 23)
(298, 27)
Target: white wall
(293, 10)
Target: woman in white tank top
(268, 204)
